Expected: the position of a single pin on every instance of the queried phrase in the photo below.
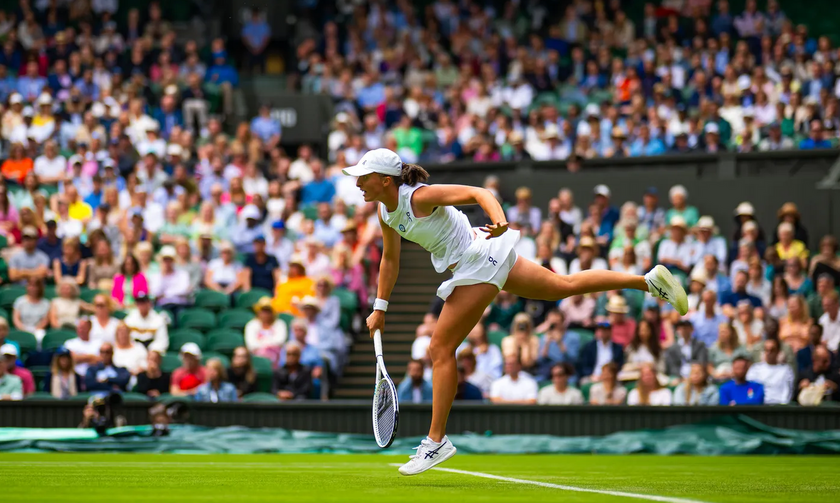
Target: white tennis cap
(381, 161)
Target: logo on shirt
(493, 261)
(408, 216)
(402, 228)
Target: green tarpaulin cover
(740, 435)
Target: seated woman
(216, 389)
(31, 311)
(608, 391)
(153, 381)
(265, 334)
(648, 391)
(696, 390)
(793, 328)
(63, 382)
(128, 283)
(723, 352)
(224, 274)
(522, 341)
(128, 354)
(241, 372)
(71, 264)
(65, 309)
(643, 348)
(101, 266)
(826, 261)
(798, 282)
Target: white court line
(649, 497)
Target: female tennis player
(482, 261)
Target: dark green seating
(495, 337)
(260, 397)
(224, 340)
(214, 354)
(197, 318)
(212, 300)
(25, 340)
(9, 294)
(56, 338)
(246, 300)
(181, 336)
(235, 318)
(169, 362)
(265, 372)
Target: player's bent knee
(441, 352)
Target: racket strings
(385, 413)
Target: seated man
(11, 387)
(686, 350)
(148, 327)
(739, 292)
(822, 375)
(413, 388)
(777, 378)
(515, 387)
(171, 288)
(292, 381)
(105, 376)
(560, 393)
(84, 349)
(187, 378)
(10, 353)
(30, 262)
(740, 391)
(598, 353)
(466, 390)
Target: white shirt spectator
(831, 331)
(50, 168)
(481, 381)
(684, 252)
(134, 359)
(523, 388)
(105, 333)
(756, 328)
(598, 264)
(256, 337)
(776, 379)
(605, 356)
(300, 170)
(80, 347)
(550, 396)
(544, 152)
(224, 274)
(153, 217)
(420, 346)
(150, 329)
(661, 396)
(526, 248)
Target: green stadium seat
(181, 336)
(56, 338)
(212, 300)
(9, 294)
(288, 318)
(81, 397)
(265, 372)
(120, 315)
(213, 354)
(260, 397)
(5, 314)
(246, 300)
(169, 362)
(586, 336)
(584, 390)
(39, 373)
(25, 340)
(200, 319)
(310, 212)
(495, 337)
(87, 294)
(224, 340)
(40, 395)
(50, 292)
(349, 305)
(235, 318)
(130, 396)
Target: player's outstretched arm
(389, 269)
(428, 198)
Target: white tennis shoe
(429, 454)
(663, 285)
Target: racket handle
(377, 342)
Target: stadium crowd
(145, 249)
(511, 81)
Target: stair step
(354, 393)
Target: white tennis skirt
(484, 261)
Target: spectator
(523, 211)
(148, 327)
(297, 284)
(420, 346)
(191, 375)
(323, 331)
(827, 260)
(515, 387)
(11, 387)
(557, 345)
(101, 267)
(798, 283)
(789, 213)
(623, 326)
(105, 375)
(815, 139)
(522, 341)
(30, 312)
(608, 391)
(779, 298)
(466, 390)
(675, 252)
(153, 382)
(467, 364)
(739, 292)
(261, 269)
(50, 244)
(723, 352)
(10, 353)
(71, 264)
(587, 257)
(679, 201)
(793, 328)
(757, 284)
(776, 378)
(825, 284)
(686, 351)
(648, 391)
(292, 380)
(309, 355)
(651, 215)
(170, 287)
(29, 263)
(129, 283)
(707, 242)
(821, 375)
(65, 309)
(265, 334)
(128, 354)
(488, 356)
(643, 348)
(830, 321)
(696, 390)
(560, 393)
(216, 389)
(790, 248)
(241, 373)
(707, 320)
(62, 381)
(598, 353)
(104, 326)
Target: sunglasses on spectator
(558, 374)
(99, 304)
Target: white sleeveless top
(446, 233)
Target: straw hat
(263, 303)
(678, 221)
(309, 301)
(789, 209)
(617, 304)
(744, 208)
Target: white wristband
(380, 305)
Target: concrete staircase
(414, 291)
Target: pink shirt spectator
(138, 284)
(579, 314)
(622, 333)
(28, 381)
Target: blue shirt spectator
(745, 393)
(371, 95)
(652, 147)
(221, 72)
(207, 393)
(265, 127)
(317, 191)
(812, 144)
(256, 32)
(105, 376)
(733, 298)
(706, 327)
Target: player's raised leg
(461, 312)
(532, 281)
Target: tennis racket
(386, 409)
